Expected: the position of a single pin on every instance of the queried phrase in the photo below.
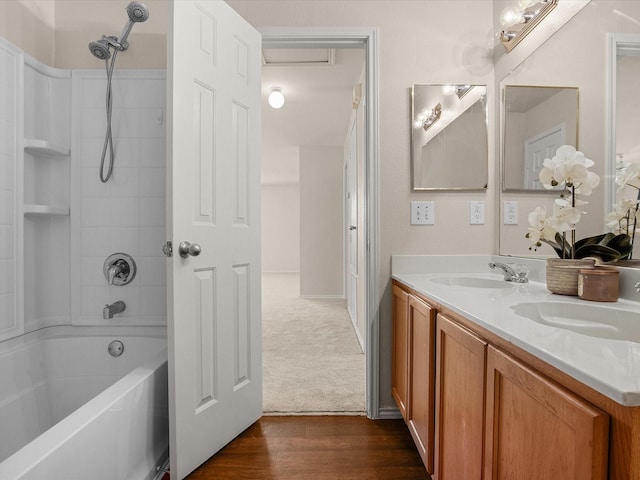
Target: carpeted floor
(312, 361)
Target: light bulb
(276, 98)
(511, 16)
(448, 90)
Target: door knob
(352, 227)
(185, 249)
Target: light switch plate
(423, 213)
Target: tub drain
(115, 348)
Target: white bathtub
(69, 410)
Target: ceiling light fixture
(519, 21)
(276, 98)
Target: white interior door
(536, 149)
(215, 377)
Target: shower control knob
(189, 249)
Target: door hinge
(167, 249)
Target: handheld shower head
(137, 13)
(100, 49)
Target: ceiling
(318, 87)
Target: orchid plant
(625, 215)
(569, 170)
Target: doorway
(365, 39)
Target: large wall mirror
(449, 137)
(536, 120)
(579, 54)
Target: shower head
(100, 49)
(137, 12)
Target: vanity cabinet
(413, 373)
(496, 416)
(400, 349)
(460, 392)
(537, 429)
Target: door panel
(214, 298)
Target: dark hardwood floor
(318, 448)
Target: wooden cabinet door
(538, 430)
(400, 349)
(421, 405)
(460, 384)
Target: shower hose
(108, 139)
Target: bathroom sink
(588, 319)
(472, 282)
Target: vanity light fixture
(425, 121)
(519, 20)
(459, 90)
(276, 98)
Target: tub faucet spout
(110, 310)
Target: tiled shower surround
(126, 214)
(58, 222)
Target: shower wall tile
(91, 271)
(125, 182)
(6, 241)
(126, 240)
(94, 241)
(124, 212)
(152, 212)
(7, 312)
(6, 278)
(91, 186)
(94, 211)
(127, 214)
(153, 153)
(153, 183)
(6, 207)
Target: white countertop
(611, 367)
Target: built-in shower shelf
(45, 210)
(43, 147)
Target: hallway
(312, 361)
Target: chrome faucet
(510, 274)
(110, 310)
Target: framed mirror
(449, 137)
(535, 121)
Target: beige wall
(321, 222)
(281, 228)
(30, 24)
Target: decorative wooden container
(562, 274)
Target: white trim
(351, 37)
(627, 43)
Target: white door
(215, 377)
(536, 149)
(352, 224)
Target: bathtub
(70, 410)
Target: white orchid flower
(588, 183)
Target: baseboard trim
(311, 297)
(389, 413)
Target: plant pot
(562, 274)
